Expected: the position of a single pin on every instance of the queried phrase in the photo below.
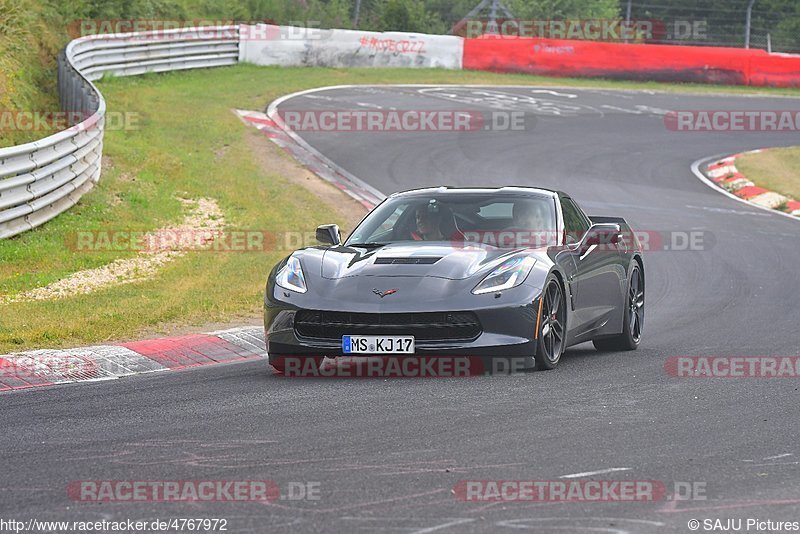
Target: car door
(596, 283)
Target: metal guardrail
(39, 180)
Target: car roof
(452, 190)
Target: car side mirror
(602, 234)
(328, 234)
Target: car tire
(278, 362)
(633, 318)
(552, 325)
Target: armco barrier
(289, 46)
(39, 180)
(557, 57)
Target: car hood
(435, 260)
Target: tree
(407, 16)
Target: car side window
(575, 224)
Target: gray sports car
(510, 274)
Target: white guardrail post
(39, 180)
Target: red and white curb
(312, 159)
(724, 174)
(47, 367)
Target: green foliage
(406, 16)
(29, 43)
(725, 21)
(564, 9)
(785, 30)
(120, 9)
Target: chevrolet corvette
(511, 273)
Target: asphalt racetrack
(385, 455)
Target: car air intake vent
(435, 326)
(419, 260)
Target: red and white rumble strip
(47, 367)
(725, 174)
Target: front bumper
(506, 331)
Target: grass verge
(190, 145)
(776, 169)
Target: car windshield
(502, 221)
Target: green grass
(190, 144)
(776, 169)
(30, 37)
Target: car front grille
(427, 326)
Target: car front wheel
(551, 325)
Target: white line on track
(725, 210)
(778, 456)
(443, 526)
(554, 93)
(599, 472)
(424, 530)
(624, 110)
(569, 523)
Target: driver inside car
(428, 219)
(531, 217)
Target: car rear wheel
(633, 320)
(552, 325)
(296, 364)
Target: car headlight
(510, 274)
(291, 276)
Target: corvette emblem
(382, 294)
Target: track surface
(387, 452)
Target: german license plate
(378, 344)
